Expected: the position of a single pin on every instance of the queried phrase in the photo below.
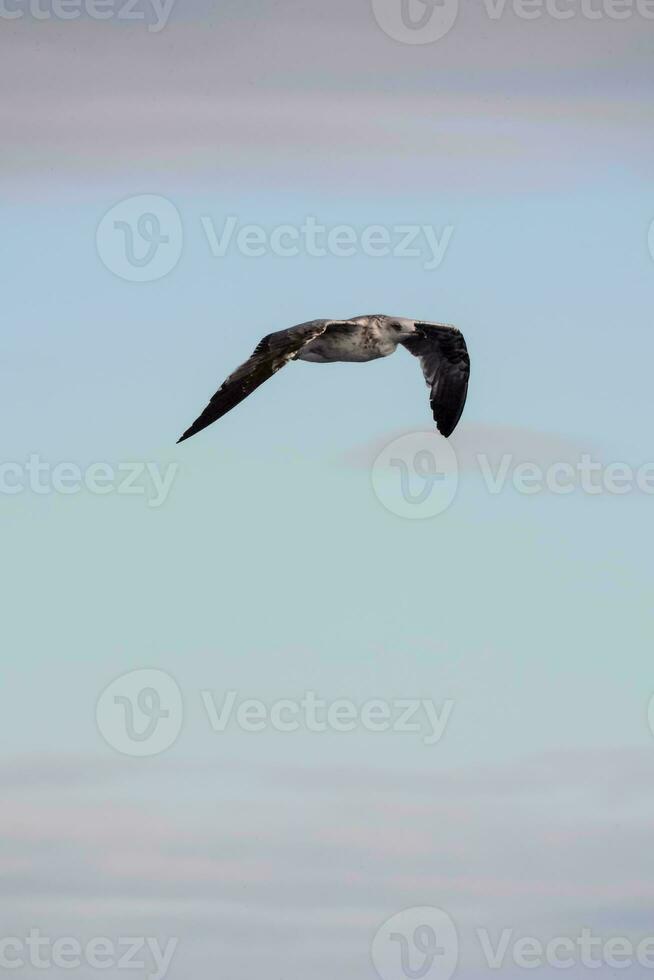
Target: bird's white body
(360, 339)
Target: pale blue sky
(272, 568)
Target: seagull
(440, 348)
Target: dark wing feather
(270, 354)
(446, 366)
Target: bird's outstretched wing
(270, 354)
(446, 366)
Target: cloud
(317, 857)
(255, 91)
(472, 439)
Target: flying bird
(440, 348)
